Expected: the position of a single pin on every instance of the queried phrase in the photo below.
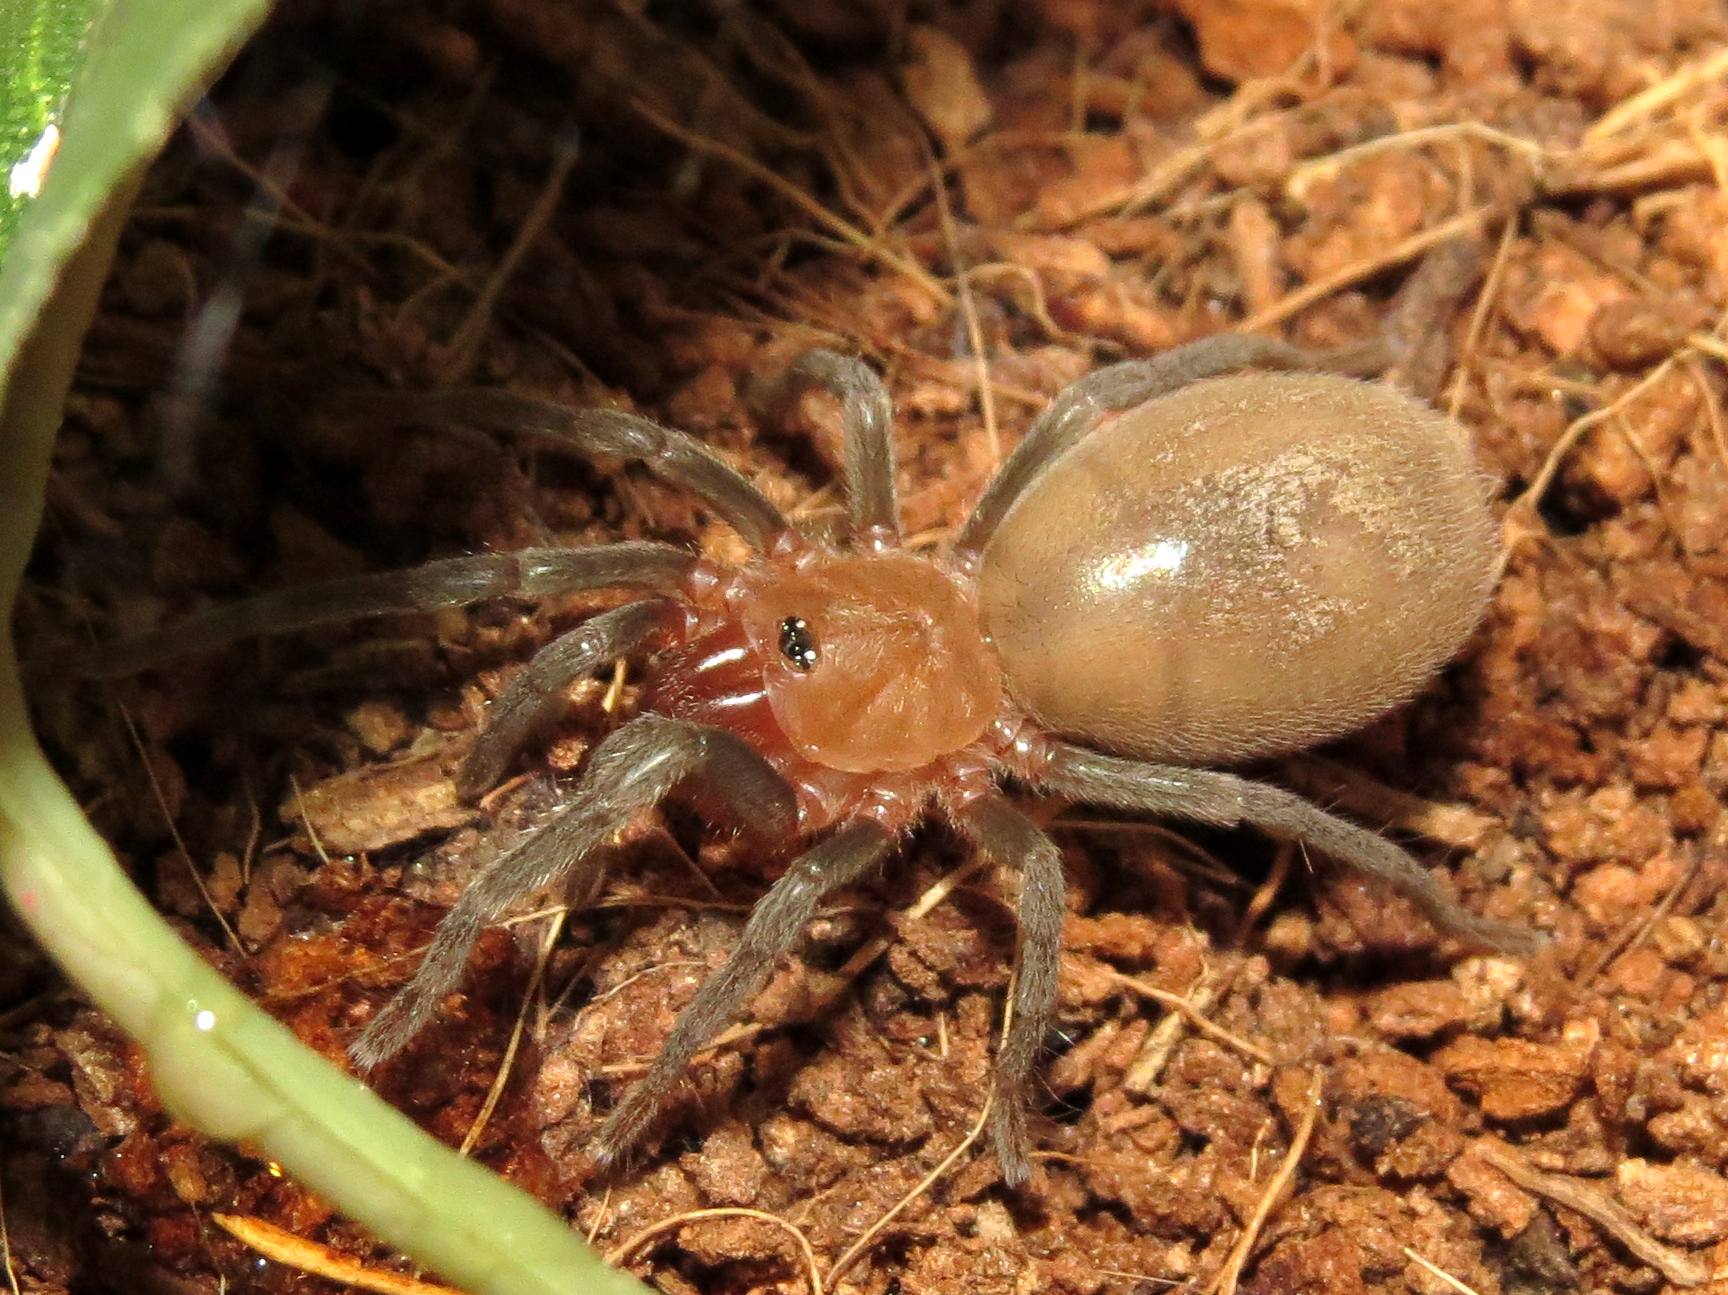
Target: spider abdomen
(1248, 565)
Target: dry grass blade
(1303, 178)
(832, 985)
(1335, 784)
(843, 229)
(1637, 929)
(6, 1249)
(1451, 1282)
(1143, 1072)
(968, 311)
(554, 929)
(174, 834)
(459, 355)
(1529, 501)
(1486, 303)
(1647, 103)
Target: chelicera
(1183, 563)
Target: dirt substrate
(659, 210)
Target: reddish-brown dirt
(660, 207)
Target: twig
(554, 929)
(1407, 249)
(1225, 1282)
(1594, 1204)
(857, 1248)
(1195, 1017)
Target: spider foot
(1011, 1138)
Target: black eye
(798, 644)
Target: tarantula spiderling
(1182, 563)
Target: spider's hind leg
(673, 456)
(1032, 865)
(631, 771)
(1208, 796)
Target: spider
(1183, 563)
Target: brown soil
(747, 184)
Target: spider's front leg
(871, 490)
(452, 582)
(1224, 800)
(535, 696)
(631, 771)
(775, 925)
(673, 456)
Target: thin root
(619, 1253)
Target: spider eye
(798, 644)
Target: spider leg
(534, 695)
(1034, 864)
(1410, 341)
(632, 770)
(672, 456)
(530, 573)
(1223, 799)
(1417, 343)
(869, 417)
(774, 927)
(1077, 410)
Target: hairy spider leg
(535, 696)
(1031, 865)
(1080, 408)
(775, 925)
(452, 582)
(1409, 342)
(675, 457)
(631, 771)
(871, 498)
(1223, 799)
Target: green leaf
(46, 39)
(91, 89)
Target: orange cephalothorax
(871, 661)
